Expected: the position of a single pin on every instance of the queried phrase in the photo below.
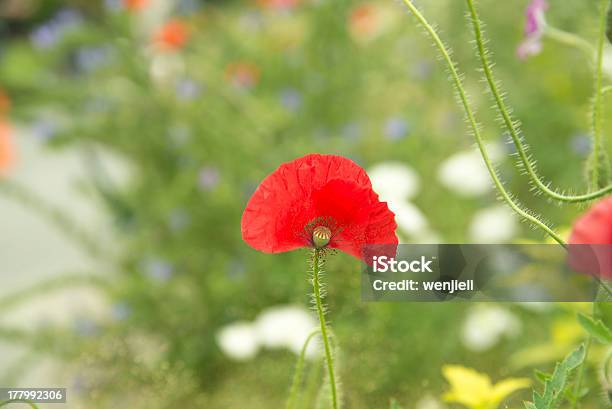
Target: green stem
(68, 226)
(597, 114)
(317, 263)
(569, 39)
(312, 382)
(512, 126)
(47, 286)
(580, 376)
(456, 78)
(297, 376)
(7, 402)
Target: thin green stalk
(512, 126)
(597, 110)
(580, 376)
(31, 200)
(569, 39)
(474, 125)
(317, 263)
(7, 402)
(312, 381)
(47, 286)
(297, 376)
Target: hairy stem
(597, 111)
(512, 126)
(474, 125)
(297, 376)
(317, 263)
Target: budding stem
(317, 262)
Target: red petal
(312, 187)
(595, 227)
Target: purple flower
(157, 269)
(208, 178)
(121, 311)
(88, 59)
(188, 89)
(291, 99)
(48, 34)
(581, 145)
(396, 128)
(44, 129)
(534, 16)
(351, 131)
(534, 28)
(113, 5)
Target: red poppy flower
(7, 152)
(316, 201)
(172, 35)
(135, 5)
(595, 229)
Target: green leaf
(394, 405)
(597, 329)
(542, 376)
(555, 387)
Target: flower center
(321, 236)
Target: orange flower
(7, 152)
(135, 5)
(242, 74)
(363, 20)
(172, 35)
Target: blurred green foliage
(198, 144)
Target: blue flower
(89, 59)
(51, 32)
(581, 145)
(157, 269)
(188, 89)
(396, 128)
(291, 99)
(121, 311)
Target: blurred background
(133, 132)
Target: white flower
(286, 326)
(394, 180)
(238, 341)
(607, 61)
(408, 217)
(495, 224)
(484, 326)
(465, 172)
(428, 402)
(166, 68)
